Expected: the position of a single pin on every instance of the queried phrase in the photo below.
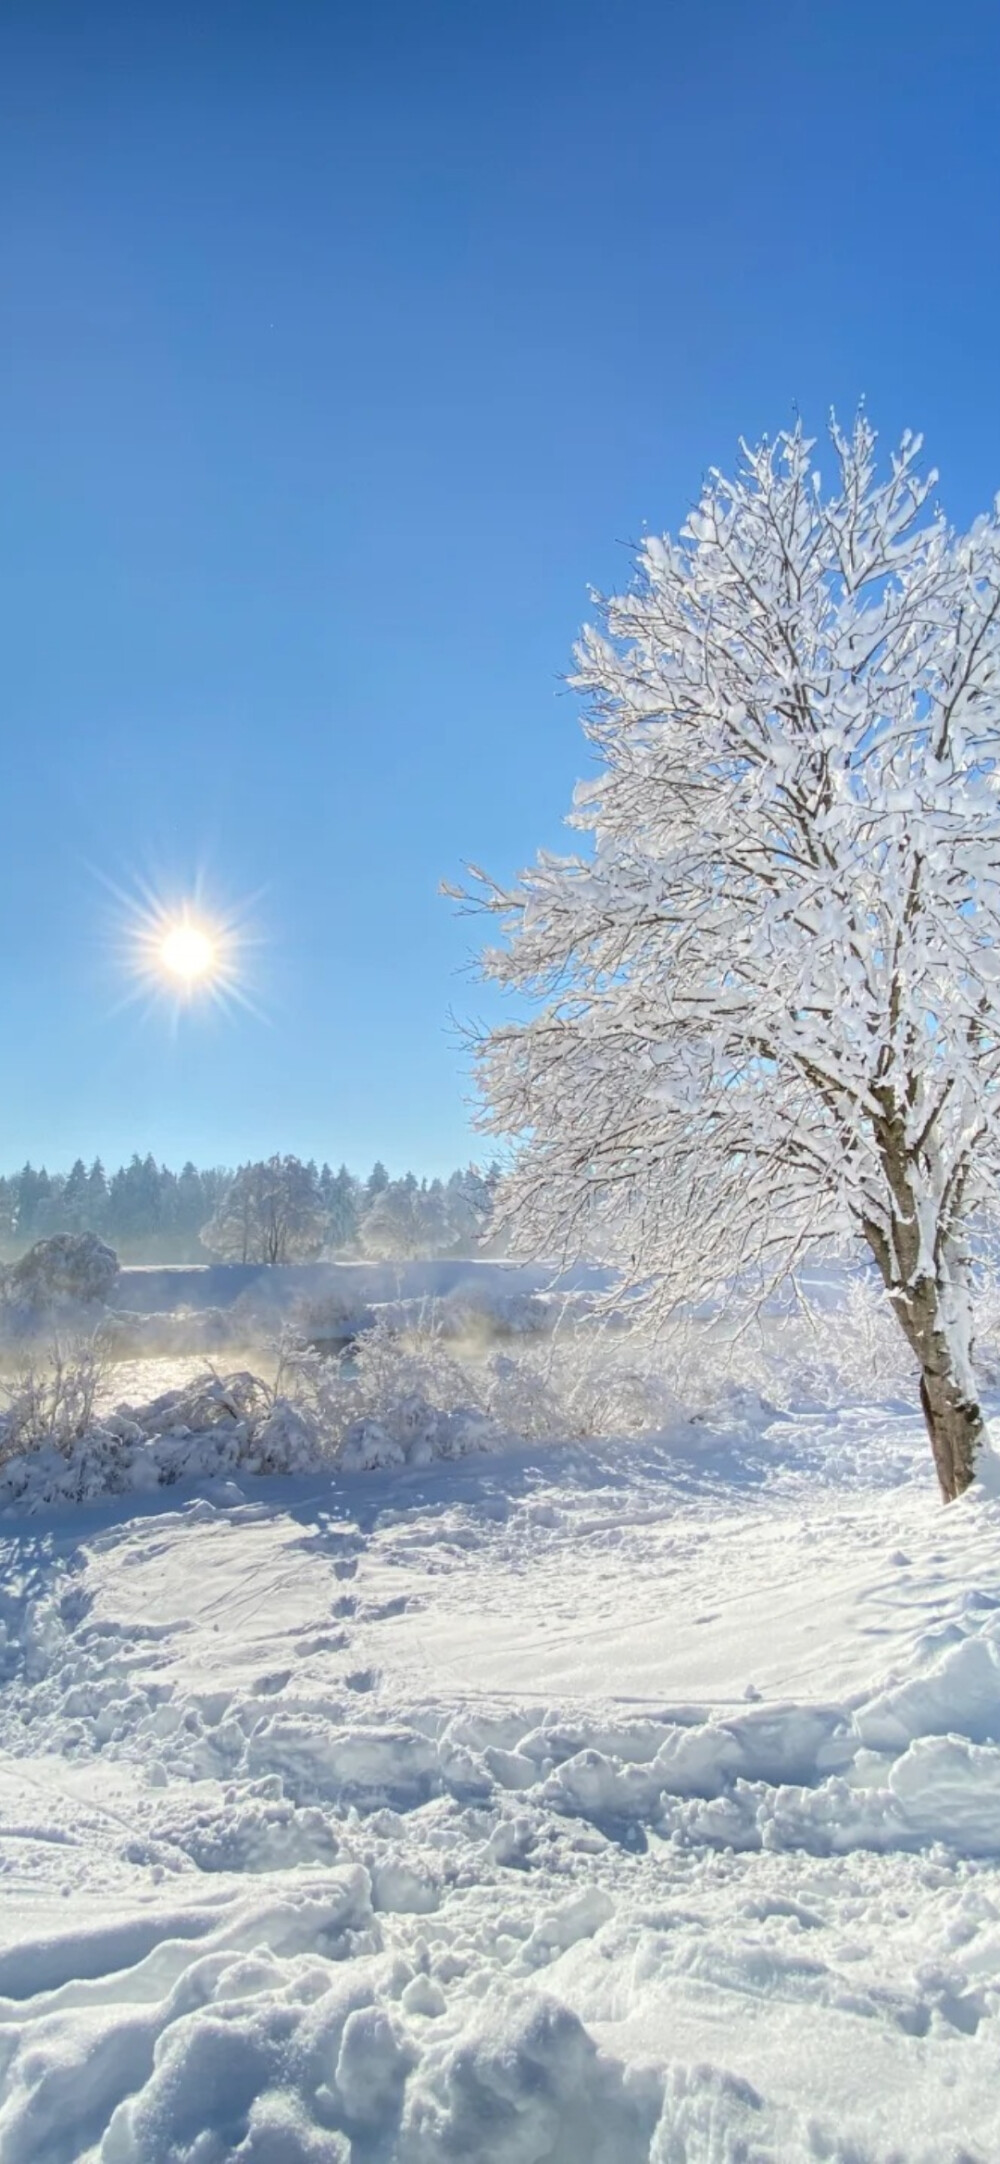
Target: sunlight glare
(188, 952)
(184, 951)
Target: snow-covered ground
(592, 1804)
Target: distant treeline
(277, 1210)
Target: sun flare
(185, 951)
(189, 953)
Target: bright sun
(188, 953)
(182, 951)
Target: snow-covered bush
(215, 1426)
(72, 1269)
(826, 1354)
(207, 1401)
(589, 1382)
(273, 1425)
(331, 1316)
(50, 1398)
(618, 1387)
(589, 1379)
(842, 1348)
(409, 1398)
(390, 1365)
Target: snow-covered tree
(97, 1196)
(469, 1206)
(340, 1193)
(35, 1191)
(134, 1209)
(271, 1212)
(69, 1269)
(73, 1202)
(768, 989)
(394, 1224)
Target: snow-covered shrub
(823, 1353)
(411, 1399)
(273, 1425)
(589, 1382)
(210, 1399)
(522, 1395)
(315, 1384)
(72, 1269)
(413, 1432)
(332, 1316)
(852, 1350)
(50, 1398)
(213, 1427)
(636, 1384)
(390, 1365)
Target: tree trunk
(933, 1313)
(927, 1312)
(955, 1427)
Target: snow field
(636, 1803)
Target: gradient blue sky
(342, 349)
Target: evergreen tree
(341, 1194)
(150, 1213)
(34, 1190)
(73, 1210)
(97, 1197)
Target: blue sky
(342, 350)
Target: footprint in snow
(362, 1679)
(268, 1686)
(327, 1642)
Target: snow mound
(289, 2031)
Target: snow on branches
(766, 990)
